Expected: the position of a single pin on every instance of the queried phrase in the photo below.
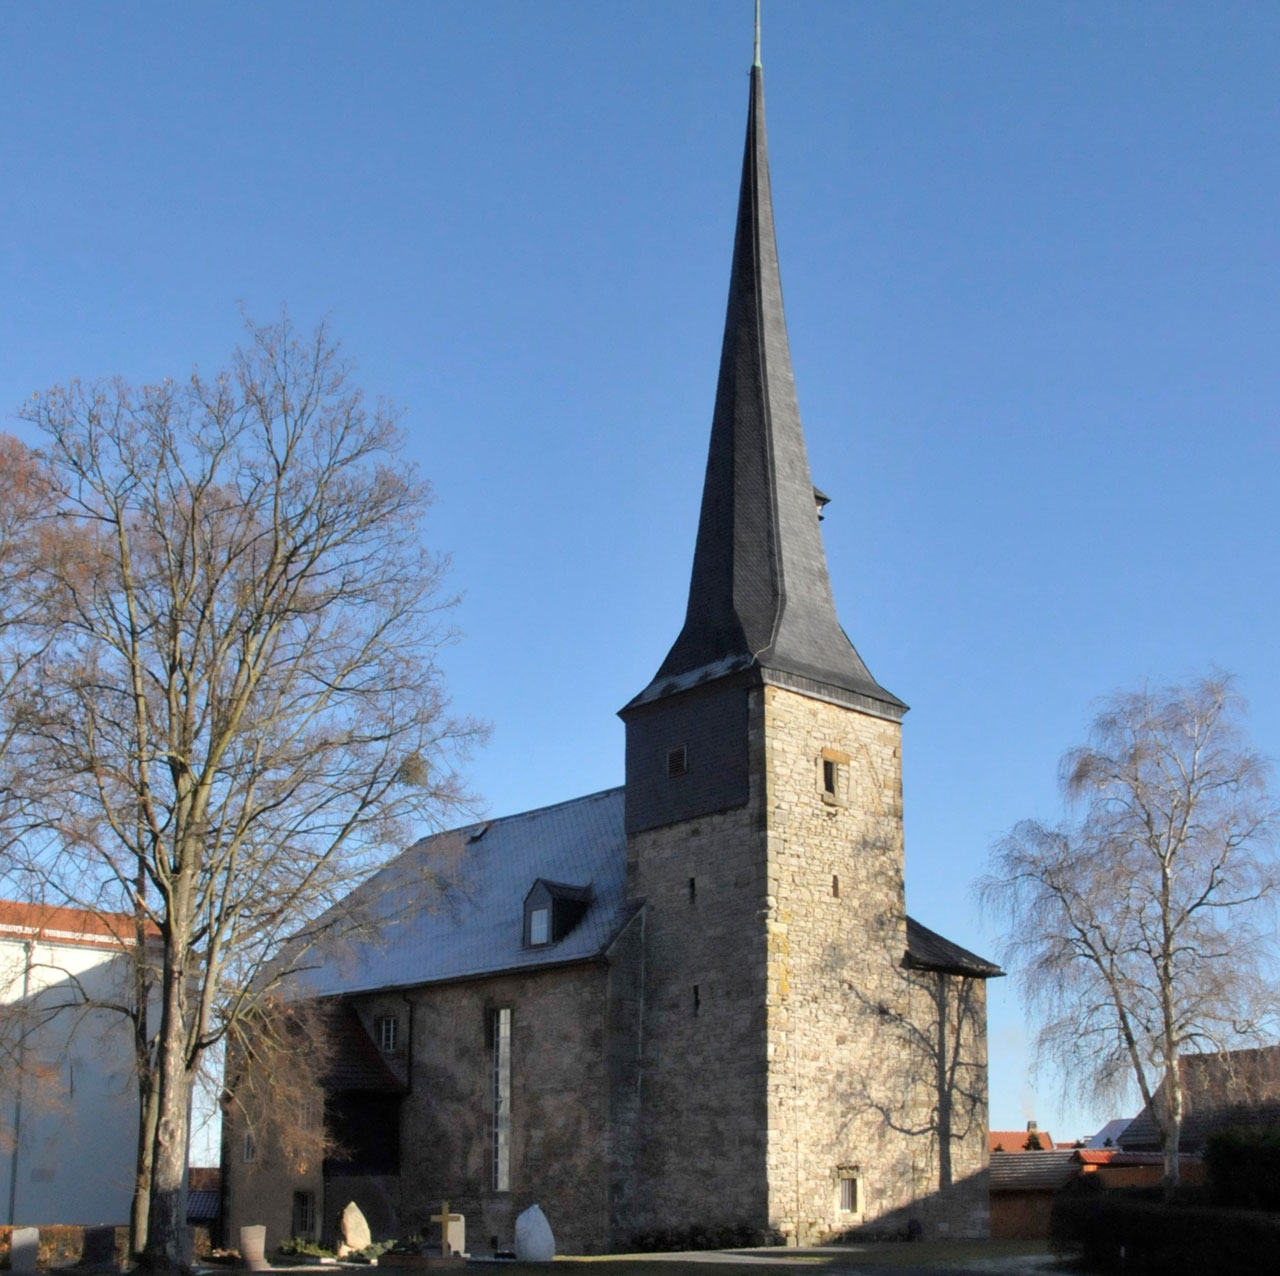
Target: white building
(68, 1091)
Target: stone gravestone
(453, 1231)
(99, 1247)
(24, 1250)
(353, 1231)
(253, 1248)
(534, 1240)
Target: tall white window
(847, 1192)
(501, 1099)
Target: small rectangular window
(677, 762)
(388, 1034)
(697, 998)
(835, 886)
(250, 1148)
(304, 1216)
(847, 1201)
(539, 926)
(693, 890)
(833, 777)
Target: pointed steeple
(760, 596)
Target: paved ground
(929, 1258)
(971, 1258)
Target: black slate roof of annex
(927, 950)
(760, 595)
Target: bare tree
(24, 503)
(1136, 927)
(238, 710)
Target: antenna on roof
(756, 61)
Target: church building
(692, 1009)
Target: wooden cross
(444, 1218)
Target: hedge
(1114, 1231)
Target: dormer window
(552, 910)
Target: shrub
(1244, 1168)
(1120, 1231)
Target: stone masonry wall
(558, 1118)
(873, 1068)
(702, 1089)
(837, 933)
(949, 1020)
(558, 1107)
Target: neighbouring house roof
(1112, 1131)
(1016, 1140)
(452, 906)
(57, 924)
(202, 1206)
(1117, 1156)
(1032, 1171)
(927, 950)
(1231, 1088)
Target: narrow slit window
(833, 777)
(697, 998)
(693, 890)
(835, 885)
(250, 1148)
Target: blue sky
(1032, 276)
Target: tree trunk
(148, 1115)
(165, 1251)
(1172, 1130)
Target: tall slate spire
(760, 596)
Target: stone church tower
(779, 1084)
(690, 1010)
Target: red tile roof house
(1021, 1140)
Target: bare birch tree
(1136, 927)
(238, 709)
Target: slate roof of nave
(452, 906)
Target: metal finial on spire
(756, 60)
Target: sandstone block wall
(703, 1130)
(559, 1113)
(836, 935)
